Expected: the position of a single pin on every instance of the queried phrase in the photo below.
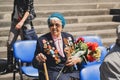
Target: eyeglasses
(58, 25)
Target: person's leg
(13, 34)
(41, 76)
(26, 26)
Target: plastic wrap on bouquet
(89, 51)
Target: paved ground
(9, 76)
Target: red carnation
(80, 39)
(90, 58)
(92, 46)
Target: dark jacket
(54, 68)
(20, 7)
(50, 61)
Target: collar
(57, 38)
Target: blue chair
(23, 54)
(110, 47)
(90, 72)
(93, 38)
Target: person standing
(52, 49)
(21, 19)
(110, 67)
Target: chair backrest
(93, 38)
(111, 46)
(24, 50)
(90, 72)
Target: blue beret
(59, 16)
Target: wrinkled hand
(73, 60)
(41, 57)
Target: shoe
(9, 69)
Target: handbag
(30, 34)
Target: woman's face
(55, 27)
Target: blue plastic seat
(24, 53)
(93, 38)
(90, 72)
(110, 47)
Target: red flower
(80, 39)
(90, 58)
(92, 46)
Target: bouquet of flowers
(89, 51)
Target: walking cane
(46, 72)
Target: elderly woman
(54, 49)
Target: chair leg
(14, 75)
(20, 72)
(14, 69)
(21, 76)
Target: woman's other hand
(73, 60)
(41, 57)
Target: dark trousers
(10, 61)
(42, 77)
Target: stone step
(46, 13)
(76, 27)
(60, 1)
(107, 5)
(3, 52)
(108, 41)
(78, 19)
(49, 2)
(78, 12)
(108, 33)
(69, 20)
(41, 7)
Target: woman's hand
(19, 25)
(73, 60)
(41, 57)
